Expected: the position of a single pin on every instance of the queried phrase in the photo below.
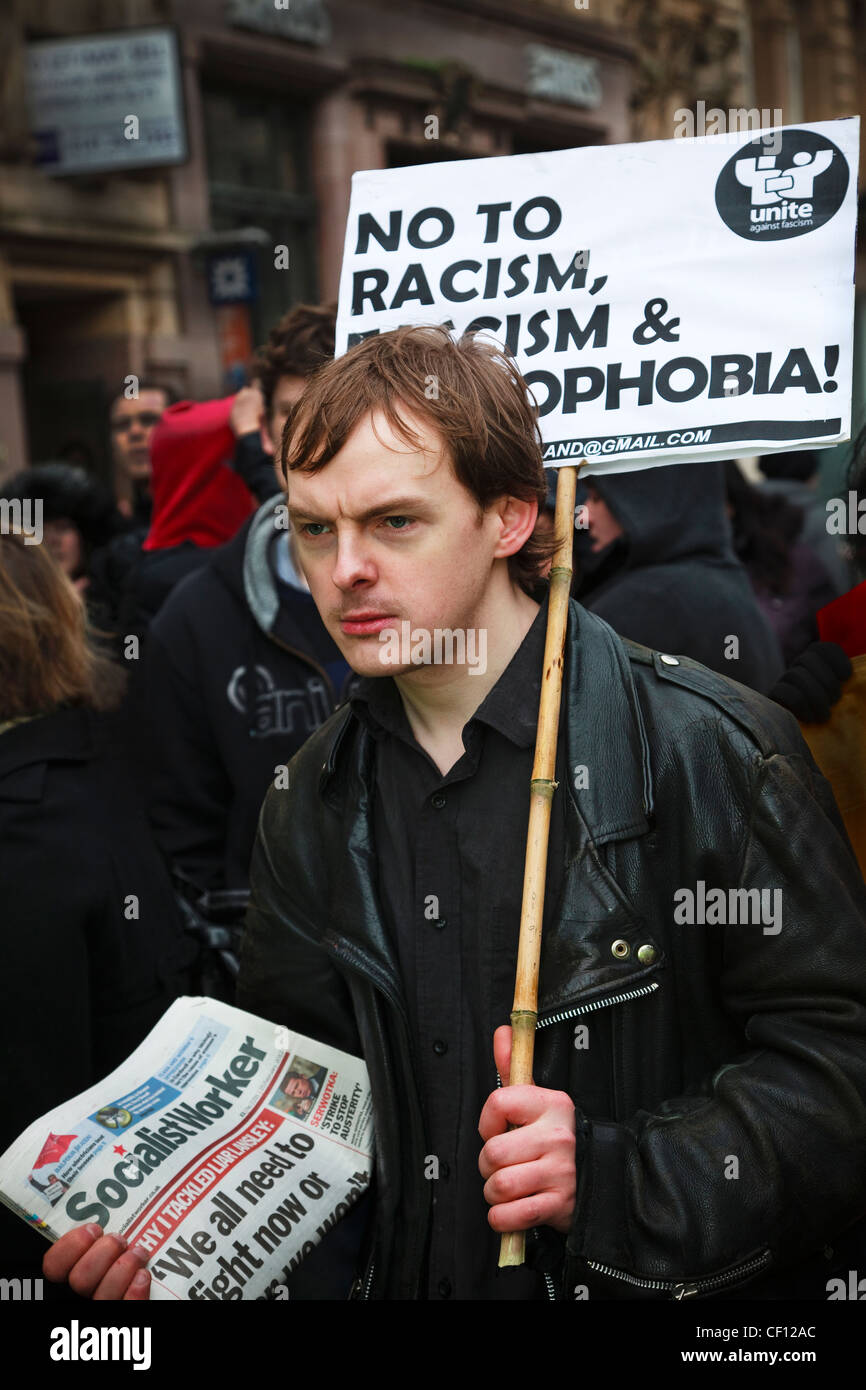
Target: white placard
(665, 301)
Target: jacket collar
(64, 735)
(605, 732)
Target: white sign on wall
(665, 301)
(106, 102)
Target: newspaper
(225, 1145)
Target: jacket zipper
(594, 1004)
(687, 1288)
(620, 998)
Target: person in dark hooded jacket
(239, 671)
(239, 668)
(670, 579)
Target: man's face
(64, 542)
(601, 522)
(287, 393)
(386, 535)
(298, 1086)
(132, 424)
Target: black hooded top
(678, 586)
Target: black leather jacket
(726, 1138)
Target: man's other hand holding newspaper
(98, 1266)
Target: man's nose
(354, 564)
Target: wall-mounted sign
(106, 102)
(561, 76)
(303, 21)
(232, 278)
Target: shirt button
(440, 923)
(438, 800)
(440, 1047)
(444, 1288)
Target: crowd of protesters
(161, 658)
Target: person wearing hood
(199, 503)
(77, 514)
(239, 668)
(669, 577)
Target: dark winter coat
(679, 587)
(712, 1040)
(93, 952)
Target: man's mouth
(361, 623)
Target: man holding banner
(697, 1124)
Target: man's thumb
(502, 1052)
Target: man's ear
(517, 520)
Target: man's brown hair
(301, 342)
(469, 391)
(46, 657)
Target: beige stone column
(13, 428)
(341, 142)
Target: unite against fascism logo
(775, 193)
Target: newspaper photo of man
(299, 1088)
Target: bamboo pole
(525, 1011)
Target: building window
(259, 176)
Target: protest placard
(665, 301)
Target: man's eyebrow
(395, 506)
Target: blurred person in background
(132, 422)
(792, 476)
(239, 668)
(668, 576)
(78, 514)
(93, 951)
(789, 579)
(825, 686)
(301, 341)
(199, 503)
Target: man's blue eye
(404, 519)
(314, 528)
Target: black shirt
(450, 854)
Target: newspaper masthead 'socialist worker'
(698, 1121)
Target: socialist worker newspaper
(225, 1145)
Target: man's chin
(367, 656)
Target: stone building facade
(103, 274)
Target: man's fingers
(513, 1105)
(516, 1181)
(502, 1052)
(121, 1275)
(538, 1210)
(522, 1145)
(67, 1250)
(139, 1288)
(88, 1272)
